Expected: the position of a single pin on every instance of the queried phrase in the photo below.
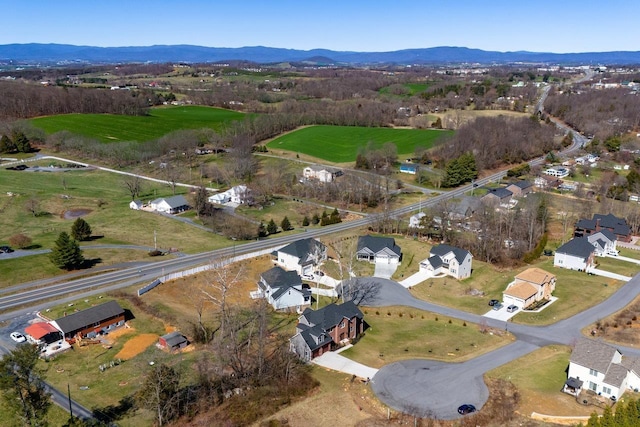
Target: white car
(17, 337)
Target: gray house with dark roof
(284, 290)
(601, 368)
(449, 260)
(100, 319)
(577, 254)
(322, 330)
(302, 256)
(378, 250)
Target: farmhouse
(321, 173)
(240, 194)
(170, 205)
(284, 290)
(302, 256)
(173, 341)
(601, 368)
(320, 331)
(618, 226)
(530, 286)
(576, 254)
(92, 321)
(449, 260)
(378, 250)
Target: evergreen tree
(262, 230)
(272, 228)
(286, 224)
(66, 253)
(21, 142)
(305, 221)
(335, 216)
(6, 145)
(315, 219)
(23, 387)
(80, 230)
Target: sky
(560, 26)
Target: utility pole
(155, 241)
(69, 395)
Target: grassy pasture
(159, 122)
(340, 144)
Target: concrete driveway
(384, 271)
(415, 278)
(334, 360)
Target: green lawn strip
(400, 333)
(340, 144)
(159, 122)
(539, 377)
(618, 266)
(629, 253)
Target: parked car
(5, 250)
(467, 408)
(497, 306)
(493, 302)
(17, 337)
(512, 308)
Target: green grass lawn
(399, 333)
(340, 144)
(159, 122)
(618, 266)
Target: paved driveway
(337, 362)
(384, 271)
(416, 278)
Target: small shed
(173, 341)
(136, 205)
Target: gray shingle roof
(618, 225)
(442, 250)
(174, 338)
(501, 193)
(522, 184)
(277, 277)
(376, 244)
(332, 314)
(174, 201)
(578, 246)
(615, 375)
(313, 334)
(88, 317)
(302, 248)
(593, 354)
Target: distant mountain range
(61, 53)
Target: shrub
(450, 321)
(155, 252)
(20, 241)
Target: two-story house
(528, 287)
(320, 173)
(599, 222)
(576, 254)
(284, 290)
(449, 260)
(302, 256)
(319, 331)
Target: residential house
(173, 341)
(239, 194)
(96, 320)
(410, 168)
(546, 182)
(605, 242)
(378, 250)
(520, 188)
(322, 330)
(464, 207)
(445, 259)
(42, 333)
(136, 205)
(170, 205)
(576, 254)
(557, 171)
(415, 220)
(528, 287)
(500, 196)
(321, 173)
(284, 290)
(302, 256)
(618, 226)
(602, 369)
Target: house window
(593, 372)
(606, 390)
(342, 324)
(593, 386)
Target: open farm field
(340, 144)
(159, 122)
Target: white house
(240, 194)
(445, 259)
(604, 242)
(284, 290)
(170, 205)
(558, 172)
(378, 250)
(414, 220)
(601, 368)
(302, 256)
(576, 254)
(321, 173)
(136, 205)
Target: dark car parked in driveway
(493, 302)
(465, 409)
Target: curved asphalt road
(436, 389)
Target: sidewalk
(608, 274)
(333, 360)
